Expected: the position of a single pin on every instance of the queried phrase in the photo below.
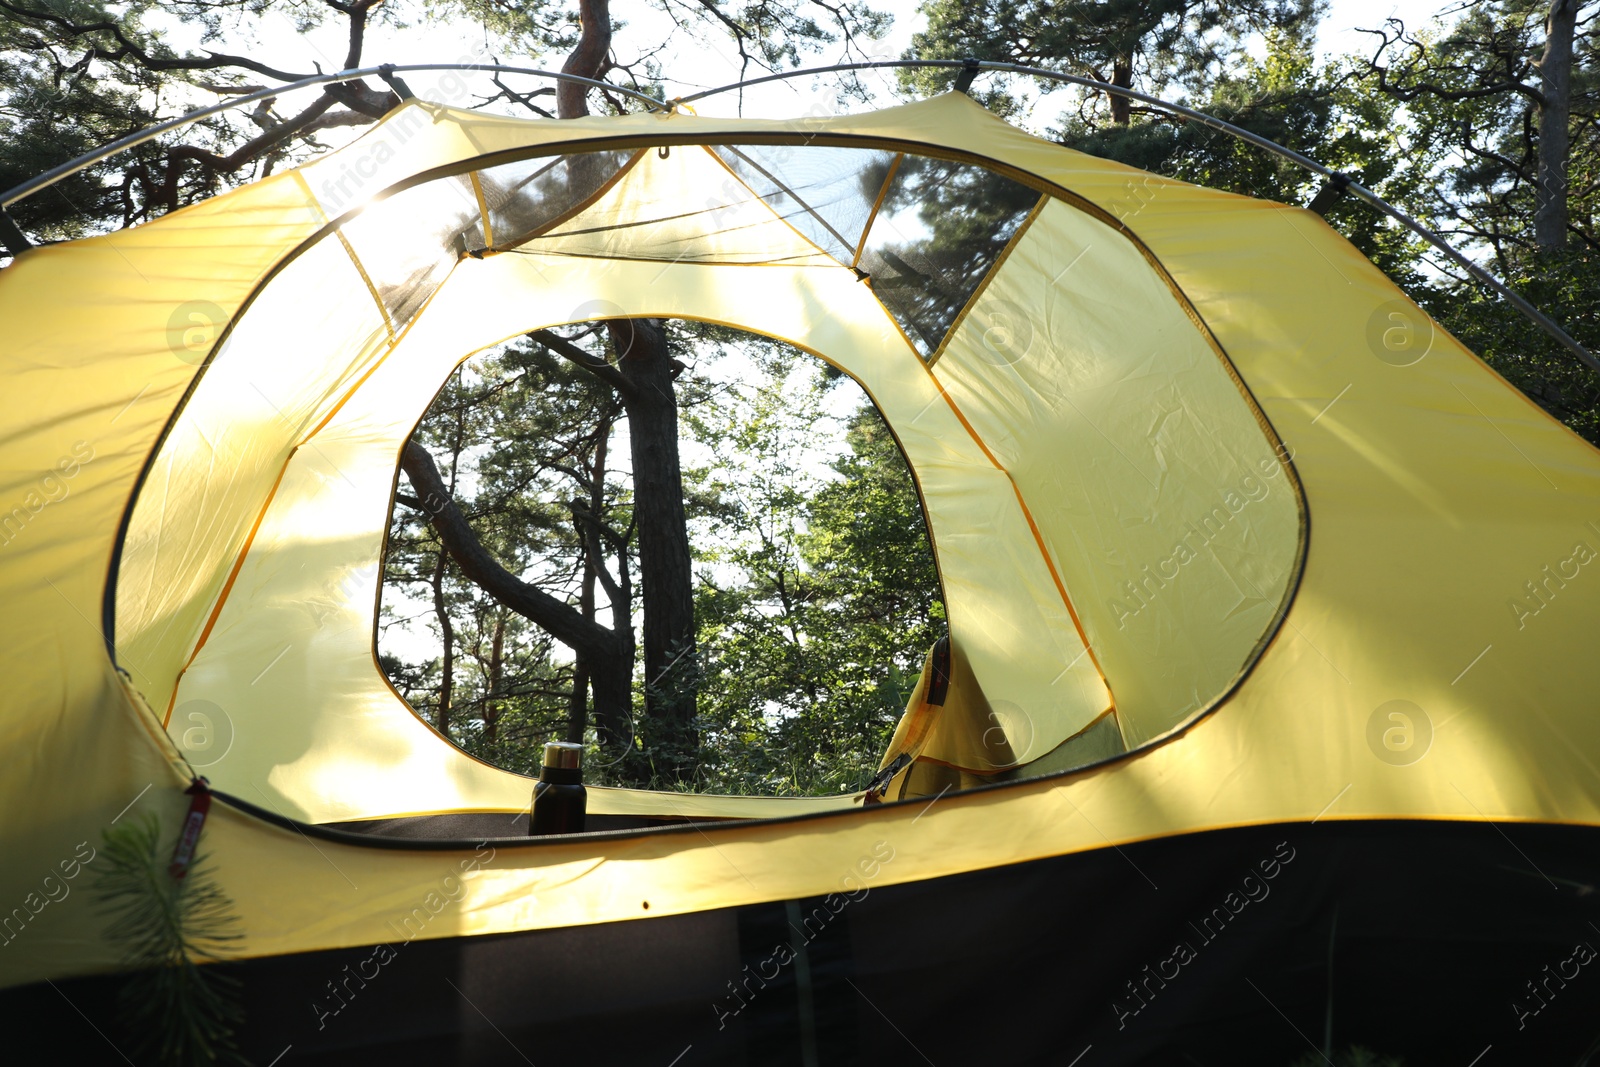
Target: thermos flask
(559, 798)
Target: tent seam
(227, 586)
(355, 261)
(483, 209)
(1033, 527)
(877, 205)
(989, 276)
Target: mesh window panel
(408, 242)
(527, 197)
(680, 205)
(825, 193)
(941, 227)
(937, 230)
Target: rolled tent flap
(1124, 401)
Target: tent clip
(969, 71)
(1330, 192)
(395, 82)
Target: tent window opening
(814, 592)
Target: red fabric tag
(189, 837)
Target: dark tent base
(1437, 942)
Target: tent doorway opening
(519, 584)
(1117, 526)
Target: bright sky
(690, 66)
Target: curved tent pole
(1338, 179)
(385, 71)
(968, 68)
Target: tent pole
(968, 69)
(386, 71)
(1515, 299)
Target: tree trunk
(1121, 76)
(670, 665)
(610, 736)
(447, 629)
(588, 58)
(447, 634)
(578, 703)
(491, 702)
(610, 652)
(1555, 85)
(671, 670)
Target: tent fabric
(1376, 524)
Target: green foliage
(1286, 96)
(50, 112)
(1443, 123)
(1568, 286)
(1158, 43)
(175, 1010)
(1471, 93)
(79, 74)
(1471, 100)
(817, 599)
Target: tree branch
(590, 528)
(594, 365)
(560, 620)
(1416, 89)
(588, 59)
(310, 120)
(128, 48)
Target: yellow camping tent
(1218, 513)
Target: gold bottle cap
(563, 755)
